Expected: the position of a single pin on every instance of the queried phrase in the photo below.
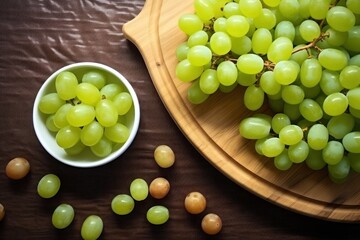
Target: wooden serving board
(212, 127)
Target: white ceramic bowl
(86, 158)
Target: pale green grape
(220, 25)
(241, 45)
(250, 63)
(117, 133)
(351, 142)
(354, 159)
(102, 148)
(62, 216)
(266, 19)
(68, 136)
(341, 125)
(314, 160)
(304, 8)
(309, 30)
(311, 110)
(311, 92)
(340, 18)
(333, 152)
(350, 77)
(353, 96)
(48, 186)
(330, 82)
(335, 104)
(353, 5)
(50, 125)
(186, 72)
(237, 26)
(285, 29)
(106, 113)
(298, 40)
(261, 40)
(122, 204)
(282, 161)
(92, 227)
(333, 59)
(292, 111)
(253, 97)
(290, 9)
(227, 73)
(110, 90)
(50, 103)
(195, 95)
(318, 136)
(94, 77)
(199, 55)
(268, 83)
(319, 8)
(254, 128)
(250, 8)
(340, 170)
(76, 149)
(298, 152)
(139, 189)
(91, 133)
(204, 9)
(300, 55)
(157, 215)
(88, 93)
(60, 120)
(182, 51)
(209, 82)
(286, 72)
(272, 3)
(123, 102)
(291, 134)
(259, 143)
(197, 38)
(65, 84)
(80, 115)
(220, 43)
(292, 94)
(190, 23)
(231, 9)
(246, 79)
(354, 112)
(272, 147)
(352, 42)
(278, 121)
(280, 49)
(335, 38)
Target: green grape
(253, 97)
(227, 73)
(340, 18)
(340, 170)
(246, 79)
(190, 23)
(314, 160)
(282, 161)
(66, 83)
(335, 38)
(309, 30)
(341, 125)
(304, 8)
(186, 72)
(311, 92)
(261, 40)
(50, 103)
(62, 216)
(285, 29)
(286, 72)
(292, 111)
(350, 77)
(353, 5)
(220, 24)
(292, 94)
(139, 189)
(157, 215)
(353, 96)
(330, 82)
(266, 19)
(209, 82)
(91, 133)
(237, 26)
(310, 72)
(351, 142)
(291, 134)
(220, 43)
(60, 119)
(298, 152)
(354, 159)
(197, 38)
(195, 95)
(318, 136)
(254, 128)
(300, 55)
(110, 90)
(311, 110)
(231, 9)
(335, 104)
(290, 9)
(88, 93)
(259, 143)
(182, 51)
(80, 115)
(68, 136)
(352, 42)
(204, 9)
(241, 45)
(333, 152)
(123, 102)
(319, 8)
(278, 121)
(76, 149)
(333, 59)
(276, 105)
(250, 8)
(102, 148)
(106, 113)
(280, 49)
(199, 55)
(50, 125)
(92, 227)
(48, 186)
(272, 147)
(268, 83)
(95, 78)
(122, 204)
(272, 3)
(250, 63)
(118, 133)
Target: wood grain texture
(212, 127)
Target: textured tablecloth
(37, 37)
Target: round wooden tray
(212, 127)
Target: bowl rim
(114, 155)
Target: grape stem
(312, 44)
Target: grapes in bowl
(86, 114)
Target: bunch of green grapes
(91, 113)
(302, 57)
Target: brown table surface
(39, 37)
